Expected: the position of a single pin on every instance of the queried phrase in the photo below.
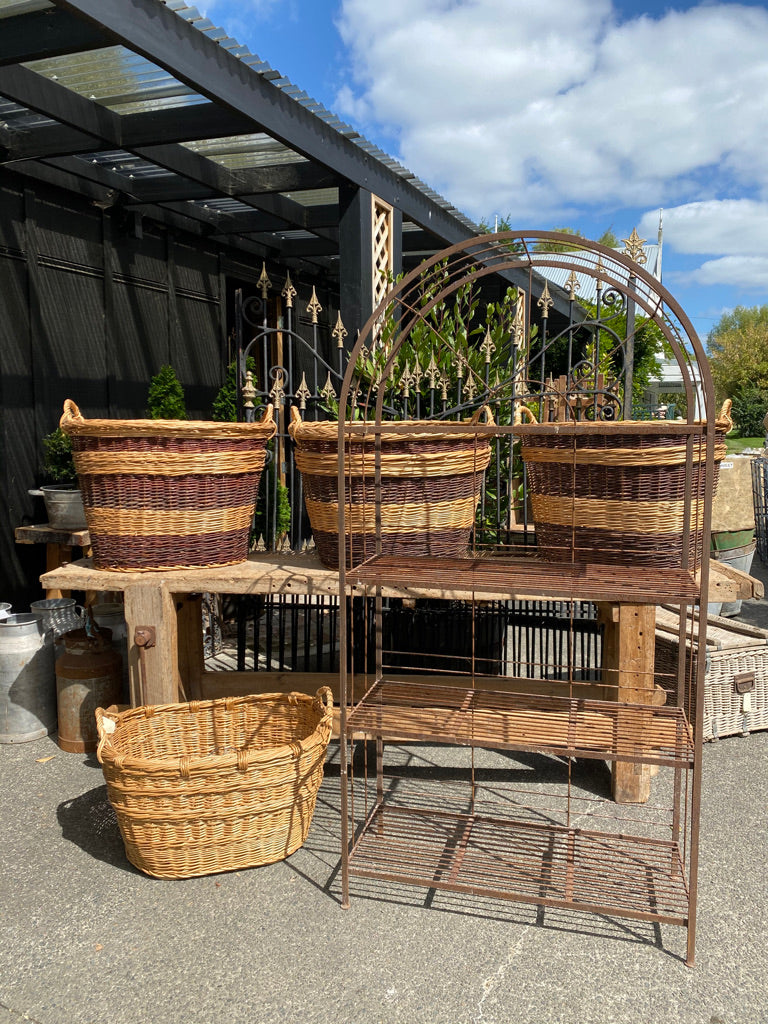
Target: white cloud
(529, 109)
(734, 227)
(744, 272)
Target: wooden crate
(736, 674)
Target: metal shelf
(572, 727)
(547, 865)
(510, 578)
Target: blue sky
(590, 114)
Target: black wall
(92, 303)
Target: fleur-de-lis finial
(328, 392)
(264, 284)
(633, 247)
(488, 347)
(573, 284)
(314, 306)
(339, 332)
(545, 301)
(432, 373)
(471, 388)
(277, 391)
(303, 392)
(600, 271)
(407, 380)
(289, 292)
(461, 365)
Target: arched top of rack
(557, 345)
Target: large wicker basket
(430, 488)
(614, 492)
(167, 494)
(215, 785)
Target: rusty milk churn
(27, 683)
(88, 676)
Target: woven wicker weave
(430, 488)
(167, 494)
(735, 652)
(215, 785)
(615, 492)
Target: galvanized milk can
(27, 682)
(88, 676)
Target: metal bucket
(59, 614)
(63, 506)
(88, 676)
(27, 681)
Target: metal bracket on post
(144, 637)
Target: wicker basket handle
(325, 696)
(523, 411)
(70, 416)
(479, 412)
(105, 728)
(724, 421)
(296, 420)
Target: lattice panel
(382, 257)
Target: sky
(586, 114)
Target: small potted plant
(60, 492)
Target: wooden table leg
(56, 555)
(191, 652)
(629, 643)
(153, 606)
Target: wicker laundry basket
(430, 487)
(167, 494)
(215, 785)
(614, 492)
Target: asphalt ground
(87, 939)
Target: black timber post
(355, 259)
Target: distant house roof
(587, 284)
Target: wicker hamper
(614, 492)
(736, 673)
(167, 494)
(215, 785)
(430, 488)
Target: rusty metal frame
(558, 862)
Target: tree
(738, 357)
(165, 398)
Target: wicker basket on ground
(167, 494)
(614, 492)
(215, 785)
(430, 487)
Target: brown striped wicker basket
(215, 785)
(614, 492)
(167, 494)
(430, 488)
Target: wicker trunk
(736, 676)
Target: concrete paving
(87, 939)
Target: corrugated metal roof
(587, 282)
(126, 82)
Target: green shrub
(165, 399)
(750, 404)
(225, 403)
(58, 464)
